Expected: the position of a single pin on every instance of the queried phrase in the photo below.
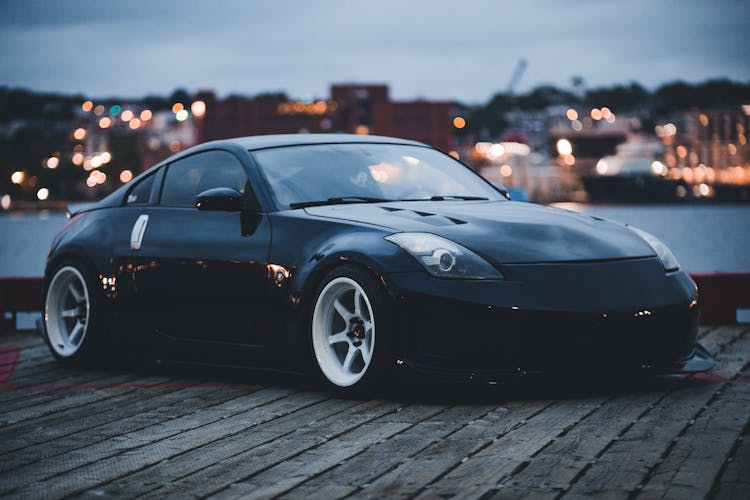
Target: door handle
(139, 229)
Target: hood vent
(426, 217)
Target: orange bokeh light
(198, 108)
(126, 176)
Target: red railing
(721, 295)
(18, 295)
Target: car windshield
(354, 172)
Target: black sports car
(358, 257)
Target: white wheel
(66, 311)
(343, 331)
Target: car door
(201, 275)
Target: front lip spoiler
(699, 360)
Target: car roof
(252, 143)
(279, 140)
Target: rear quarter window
(141, 192)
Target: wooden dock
(177, 433)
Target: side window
(140, 194)
(190, 176)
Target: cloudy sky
(455, 49)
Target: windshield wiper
(338, 199)
(448, 197)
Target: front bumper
(551, 318)
(699, 360)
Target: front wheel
(350, 330)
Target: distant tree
(674, 96)
(488, 121)
(678, 96)
(272, 96)
(180, 95)
(157, 103)
(543, 97)
(619, 97)
(16, 104)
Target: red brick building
(364, 109)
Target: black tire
(378, 373)
(91, 346)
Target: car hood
(506, 231)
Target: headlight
(444, 259)
(668, 259)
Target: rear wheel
(72, 310)
(350, 330)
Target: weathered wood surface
(143, 433)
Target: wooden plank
(347, 429)
(409, 477)
(115, 407)
(695, 460)
(22, 339)
(734, 481)
(91, 465)
(214, 466)
(44, 402)
(200, 443)
(719, 337)
(27, 375)
(483, 471)
(623, 466)
(39, 462)
(312, 462)
(30, 363)
(26, 368)
(21, 382)
(26, 354)
(347, 445)
(67, 382)
(703, 330)
(345, 478)
(525, 492)
(733, 358)
(557, 465)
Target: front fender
(308, 246)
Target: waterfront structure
(350, 108)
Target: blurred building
(351, 108)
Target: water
(704, 238)
(24, 241)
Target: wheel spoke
(368, 326)
(358, 303)
(77, 331)
(338, 337)
(77, 296)
(365, 350)
(345, 313)
(347, 364)
(70, 313)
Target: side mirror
(221, 198)
(501, 189)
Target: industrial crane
(516, 76)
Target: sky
(459, 50)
